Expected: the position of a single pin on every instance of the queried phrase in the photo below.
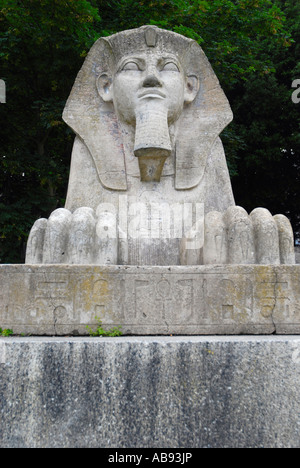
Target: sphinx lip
(152, 93)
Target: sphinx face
(149, 81)
(149, 90)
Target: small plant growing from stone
(6, 332)
(115, 331)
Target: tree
(43, 44)
(268, 122)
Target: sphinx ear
(191, 88)
(104, 86)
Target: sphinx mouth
(152, 93)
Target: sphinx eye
(170, 66)
(131, 66)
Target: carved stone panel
(215, 299)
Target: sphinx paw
(234, 237)
(79, 238)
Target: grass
(115, 331)
(6, 332)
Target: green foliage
(43, 44)
(268, 122)
(233, 34)
(115, 331)
(6, 332)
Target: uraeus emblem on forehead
(151, 36)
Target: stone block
(150, 392)
(151, 300)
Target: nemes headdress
(95, 121)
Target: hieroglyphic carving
(163, 297)
(100, 299)
(184, 295)
(53, 295)
(142, 299)
(193, 300)
(236, 298)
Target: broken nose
(151, 81)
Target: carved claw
(234, 237)
(78, 238)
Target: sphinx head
(151, 80)
(149, 87)
(148, 77)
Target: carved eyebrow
(169, 58)
(164, 60)
(141, 63)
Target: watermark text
(152, 220)
(2, 92)
(296, 93)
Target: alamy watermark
(2, 92)
(151, 220)
(296, 93)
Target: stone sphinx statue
(149, 183)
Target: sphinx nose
(151, 81)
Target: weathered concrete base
(220, 299)
(166, 392)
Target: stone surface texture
(163, 392)
(211, 299)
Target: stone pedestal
(172, 392)
(227, 299)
